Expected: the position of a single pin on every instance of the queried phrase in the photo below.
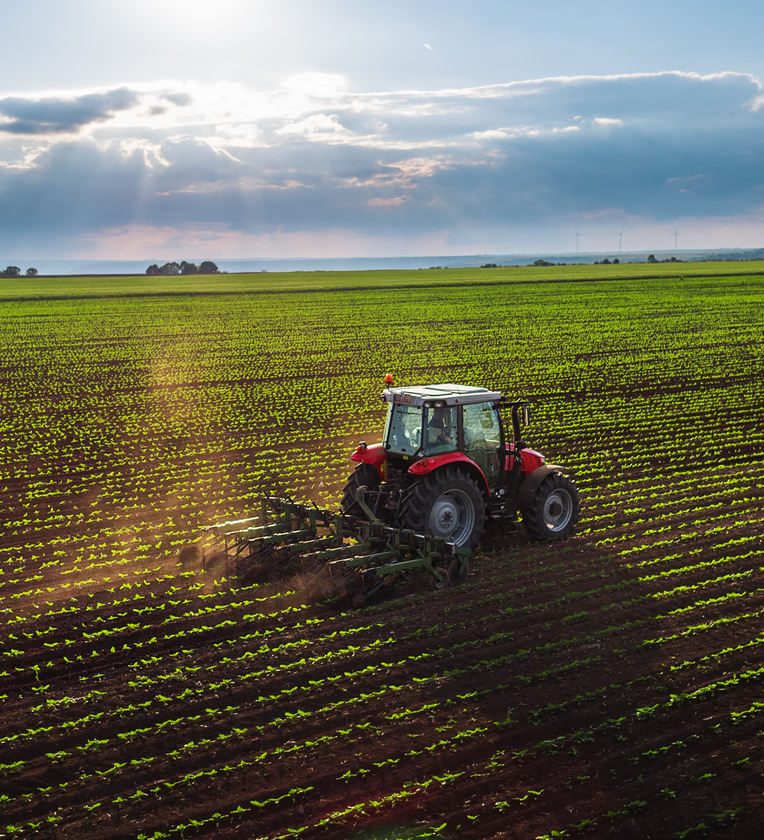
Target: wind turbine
(578, 236)
(676, 236)
(619, 235)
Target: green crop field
(611, 684)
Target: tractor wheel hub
(444, 516)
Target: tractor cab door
(441, 429)
(403, 430)
(483, 439)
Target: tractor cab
(429, 422)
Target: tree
(31, 272)
(12, 271)
(651, 259)
(172, 268)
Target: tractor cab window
(482, 437)
(441, 429)
(404, 429)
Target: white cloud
(324, 128)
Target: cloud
(55, 115)
(491, 164)
(322, 127)
(180, 98)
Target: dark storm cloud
(54, 115)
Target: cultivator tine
(309, 553)
(361, 556)
(287, 534)
(374, 586)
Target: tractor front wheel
(447, 503)
(554, 510)
(364, 475)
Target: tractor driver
(439, 428)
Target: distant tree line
(172, 269)
(652, 259)
(15, 271)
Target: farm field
(611, 685)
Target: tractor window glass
(404, 429)
(482, 437)
(441, 430)
(481, 423)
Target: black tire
(447, 503)
(442, 578)
(364, 475)
(554, 510)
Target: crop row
(608, 684)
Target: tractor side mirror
(521, 417)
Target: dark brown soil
(557, 690)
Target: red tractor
(452, 459)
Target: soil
(559, 691)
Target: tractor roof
(448, 394)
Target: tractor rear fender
(532, 460)
(432, 463)
(374, 455)
(532, 482)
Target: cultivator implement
(353, 555)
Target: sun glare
(316, 84)
(196, 17)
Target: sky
(235, 129)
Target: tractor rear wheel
(364, 475)
(447, 503)
(554, 510)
